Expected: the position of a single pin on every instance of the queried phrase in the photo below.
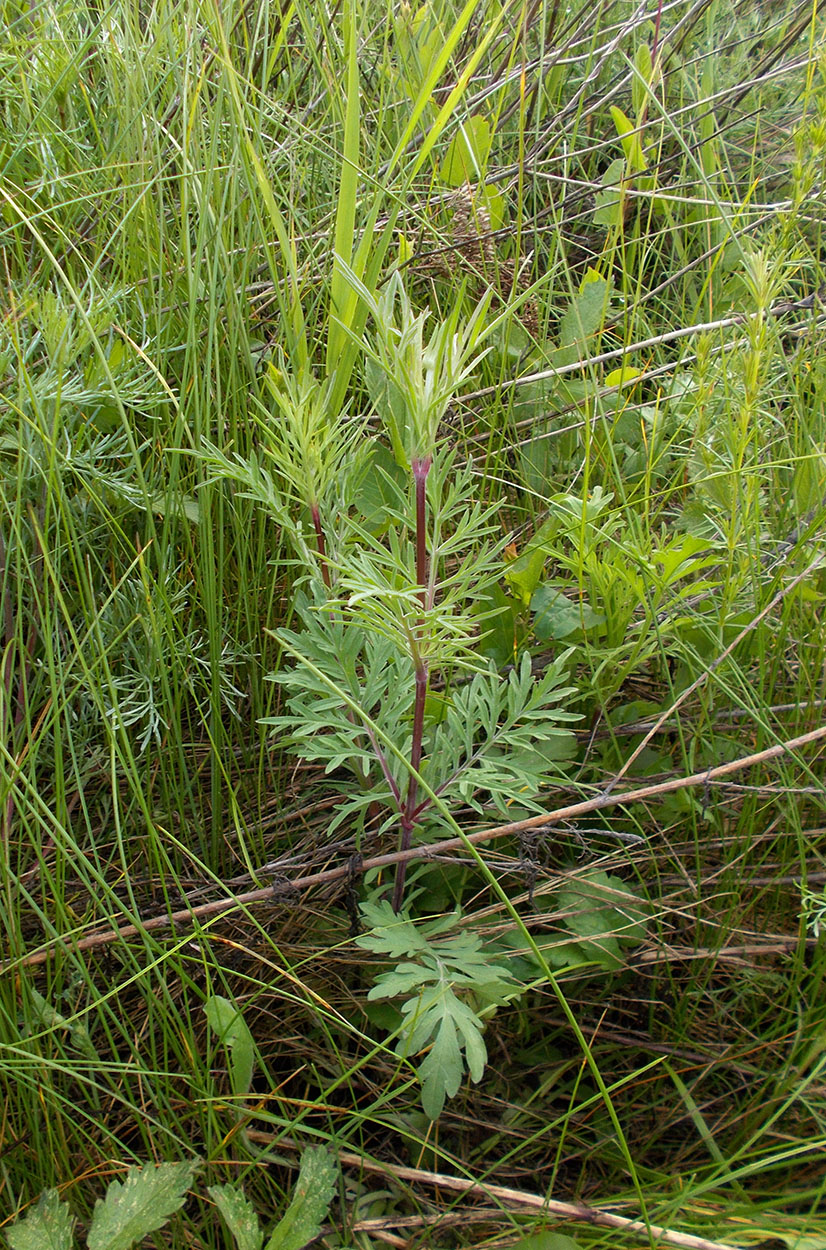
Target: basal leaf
(546, 1241)
(584, 317)
(402, 980)
(47, 1226)
(608, 202)
(557, 616)
(640, 84)
(139, 1205)
(467, 153)
(631, 141)
(314, 1191)
(228, 1024)
(239, 1216)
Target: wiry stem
(420, 469)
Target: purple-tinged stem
(656, 40)
(420, 470)
(408, 821)
(321, 544)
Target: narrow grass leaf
(343, 300)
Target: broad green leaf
(140, 1205)
(467, 153)
(584, 317)
(499, 639)
(374, 494)
(602, 905)
(388, 401)
(619, 377)
(546, 1241)
(608, 203)
(239, 1216)
(556, 616)
(641, 81)
(494, 202)
(631, 145)
(314, 1191)
(231, 1029)
(523, 573)
(47, 1226)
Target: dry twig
(275, 893)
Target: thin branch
(576, 1212)
(276, 893)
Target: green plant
(177, 182)
(449, 987)
(408, 604)
(131, 1209)
(149, 1196)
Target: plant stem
(408, 821)
(420, 470)
(320, 543)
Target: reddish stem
(656, 40)
(408, 821)
(320, 543)
(420, 470)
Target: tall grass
(175, 181)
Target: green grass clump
(200, 210)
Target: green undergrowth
(411, 423)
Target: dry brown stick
(275, 893)
(743, 953)
(577, 1212)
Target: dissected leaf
(454, 979)
(314, 1191)
(47, 1226)
(239, 1216)
(139, 1205)
(441, 1070)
